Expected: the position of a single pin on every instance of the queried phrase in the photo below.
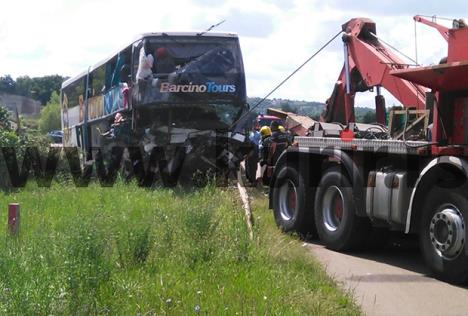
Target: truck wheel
(338, 226)
(443, 233)
(292, 203)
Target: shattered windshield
(195, 116)
(226, 113)
(175, 69)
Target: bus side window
(118, 69)
(135, 59)
(125, 70)
(125, 74)
(98, 81)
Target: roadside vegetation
(126, 250)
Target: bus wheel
(338, 226)
(443, 233)
(292, 205)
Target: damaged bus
(180, 92)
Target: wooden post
(245, 200)
(13, 218)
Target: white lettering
(202, 89)
(165, 87)
(209, 87)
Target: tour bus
(162, 89)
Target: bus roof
(146, 35)
(202, 33)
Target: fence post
(14, 218)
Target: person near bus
(287, 133)
(119, 129)
(164, 62)
(145, 63)
(144, 73)
(251, 160)
(265, 133)
(272, 148)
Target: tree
(7, 84)
(369, 117)
(8, 136)
(43, 87)
(24, 86)
(50, 114)
(286, 107)
(5, 124)
(38, 88)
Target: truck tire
(292, 203)
(443, 233)
(337, 224)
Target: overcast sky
(65, 37)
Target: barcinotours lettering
(209, 87)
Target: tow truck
(406, 172)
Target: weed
(127, 250)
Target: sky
(65, 37)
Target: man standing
(273, 147)
(252, 158)
(265, 133)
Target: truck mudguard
(457, 162)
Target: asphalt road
(393, 281)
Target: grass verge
(127, 250)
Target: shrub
(50, 114)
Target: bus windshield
(187, 69)
(212, 116)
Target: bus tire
(292, 203)
(443, 233)
(338, 225)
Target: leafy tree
(5, 124)
(8, 137)
(38, 88)
(50, 114)
(7, 84)
(45, 86)
(286, 107)
(24, 85)
(369, 117)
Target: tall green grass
(126, 250)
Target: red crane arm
(444, 31)
(368, 64)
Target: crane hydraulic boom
(444, 31)
(367, 65)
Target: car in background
(56, 136)
(265, 120)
